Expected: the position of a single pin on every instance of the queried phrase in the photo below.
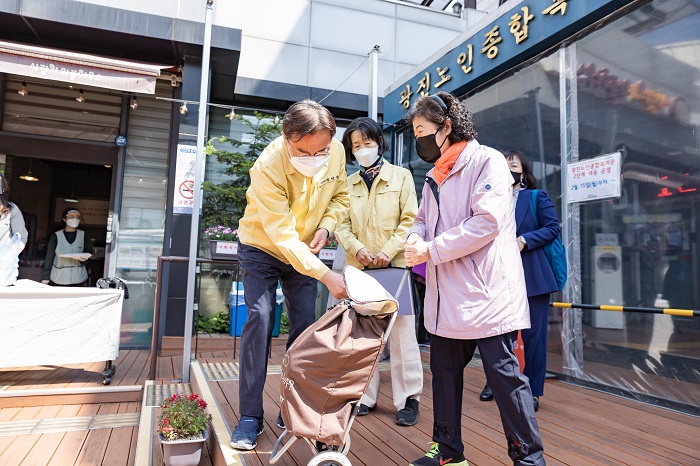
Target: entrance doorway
(42, 198)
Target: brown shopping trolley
(328, 368)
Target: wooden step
(70, 396)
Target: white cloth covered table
(44, 325)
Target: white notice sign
(184, 179)
(594, 179)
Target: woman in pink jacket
(475, 287)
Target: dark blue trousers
(448, 359)
(535, 342)
(261, 272)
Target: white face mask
(309, 166)
(367, 156)
(73, 222)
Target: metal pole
(540, 138)
(197, 201)
(373, 93)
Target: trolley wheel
(329, 458)
(106, 381)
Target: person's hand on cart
(364, 257)
(416, 250)
(381, 260)
(335, 284)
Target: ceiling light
(23, 90)
(183, 108)
(29, 176)
(231, 115)
(80, 97)
(70, 199)
(134, 104)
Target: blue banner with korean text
(523, 32)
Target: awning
(78, 68)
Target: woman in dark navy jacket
(539, 277)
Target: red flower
(202, 404)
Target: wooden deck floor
(578, 426)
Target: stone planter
(182, 452)
(226, 250)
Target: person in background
(65, 271)
(297, 195)
(11, 222)
(539, 278)
(383, 205)
(475, 288)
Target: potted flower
(223, 242)
(327, 253)
(182, 429)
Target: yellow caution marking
(679, 312)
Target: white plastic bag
(9, 260)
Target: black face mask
(516, 177)
(427, 148)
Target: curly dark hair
(368, 128)
(429, 108)
(528, 178)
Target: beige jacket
(379, 219)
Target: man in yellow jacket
(297, 195)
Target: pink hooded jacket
(475, 286)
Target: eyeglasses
(302, 154)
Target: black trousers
(448, 359)
(261, 272)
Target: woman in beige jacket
(382, 208)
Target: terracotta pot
(182, 452)
(226, 250)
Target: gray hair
(306, 117)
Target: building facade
(604, 99)
(90, 102)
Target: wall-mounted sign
(525, 31)
(77, 68)
(184, 179)
(121, 141)
(594, 179)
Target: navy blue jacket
(539, 277)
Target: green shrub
(218, 323)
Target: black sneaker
(408, 416)
(280, 421)
(245, 434)
(435, 458)
(364, 410)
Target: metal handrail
(646, 310)
(156, 307)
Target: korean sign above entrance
(523, 32)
